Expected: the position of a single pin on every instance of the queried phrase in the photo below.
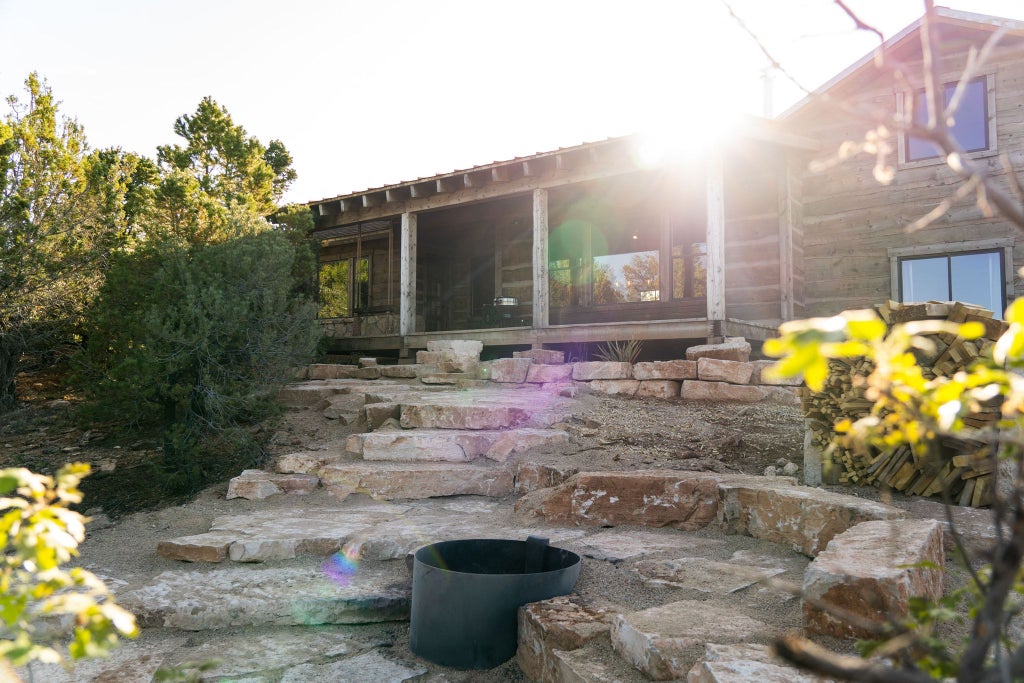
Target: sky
(365, 93)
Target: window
(971, 129)
(343, 287)
(972, 277)
(623, 265)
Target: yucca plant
(619, 351)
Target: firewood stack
(953, 464)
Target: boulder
(367, 362)
(257, 484)
(601, 370)
(398, 371)
(519, 440)
(376, 414)
(738, 350)
(304, 461)
(428, 357)
(509, 370)
(542, 356)
(697, 390)
(665, 369)
(562, 623)
(659, 388)
(612, 387)
(802, 518)
(531, 476)
(759, 376)
(468, 347)
(686, 501)
(541, 373)
(733, 372)
(330, 371)
(366, 373)
(441, 377)
(871, 571)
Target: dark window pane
(978, 279)
(926, 279)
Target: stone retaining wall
(716, 372)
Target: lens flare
(342, 565)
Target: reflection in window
(970, 129)
(974, 278)
(689, 270)
(560, 282)
(621, 278)
(341, 286)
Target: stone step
(388, 481)
(285, 653)
(665, 642)
(374, 532)
(281, 596)
(278, 535)
(449, 445)
(769, 508)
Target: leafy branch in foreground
(38, 534)
(910, 409)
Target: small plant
(619, 351)
(38, 534)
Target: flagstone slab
(665, 642)
(369, 666)
(132, 661)
(746, 663)
(247, 596)
(704, 575)
(261, 652)
(388, 480)
(617, 546)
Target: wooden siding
(850, 221)
(752, 215)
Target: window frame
(1004, 246)
(902, 145)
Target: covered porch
(582, 245)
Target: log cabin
(591, 244)
(860, 246)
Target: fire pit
(466, 594)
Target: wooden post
(540, 258)
(786, 245)
(407, 275)
(716, 237)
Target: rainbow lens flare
(342, 565)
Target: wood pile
(952, 465)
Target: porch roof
(564, 158)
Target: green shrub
(195, 341)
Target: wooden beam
(562, 163)
(531, 169)
(422, 190)
(499, 174)
(446, 185)
(397, 194)
(456, 195)
(407, 276)
(350, 205)
(372, 200)
(468, 181)
(540, 259)
(665, 261)
(715, 236)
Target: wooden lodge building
(586, 244)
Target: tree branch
(809, 655)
